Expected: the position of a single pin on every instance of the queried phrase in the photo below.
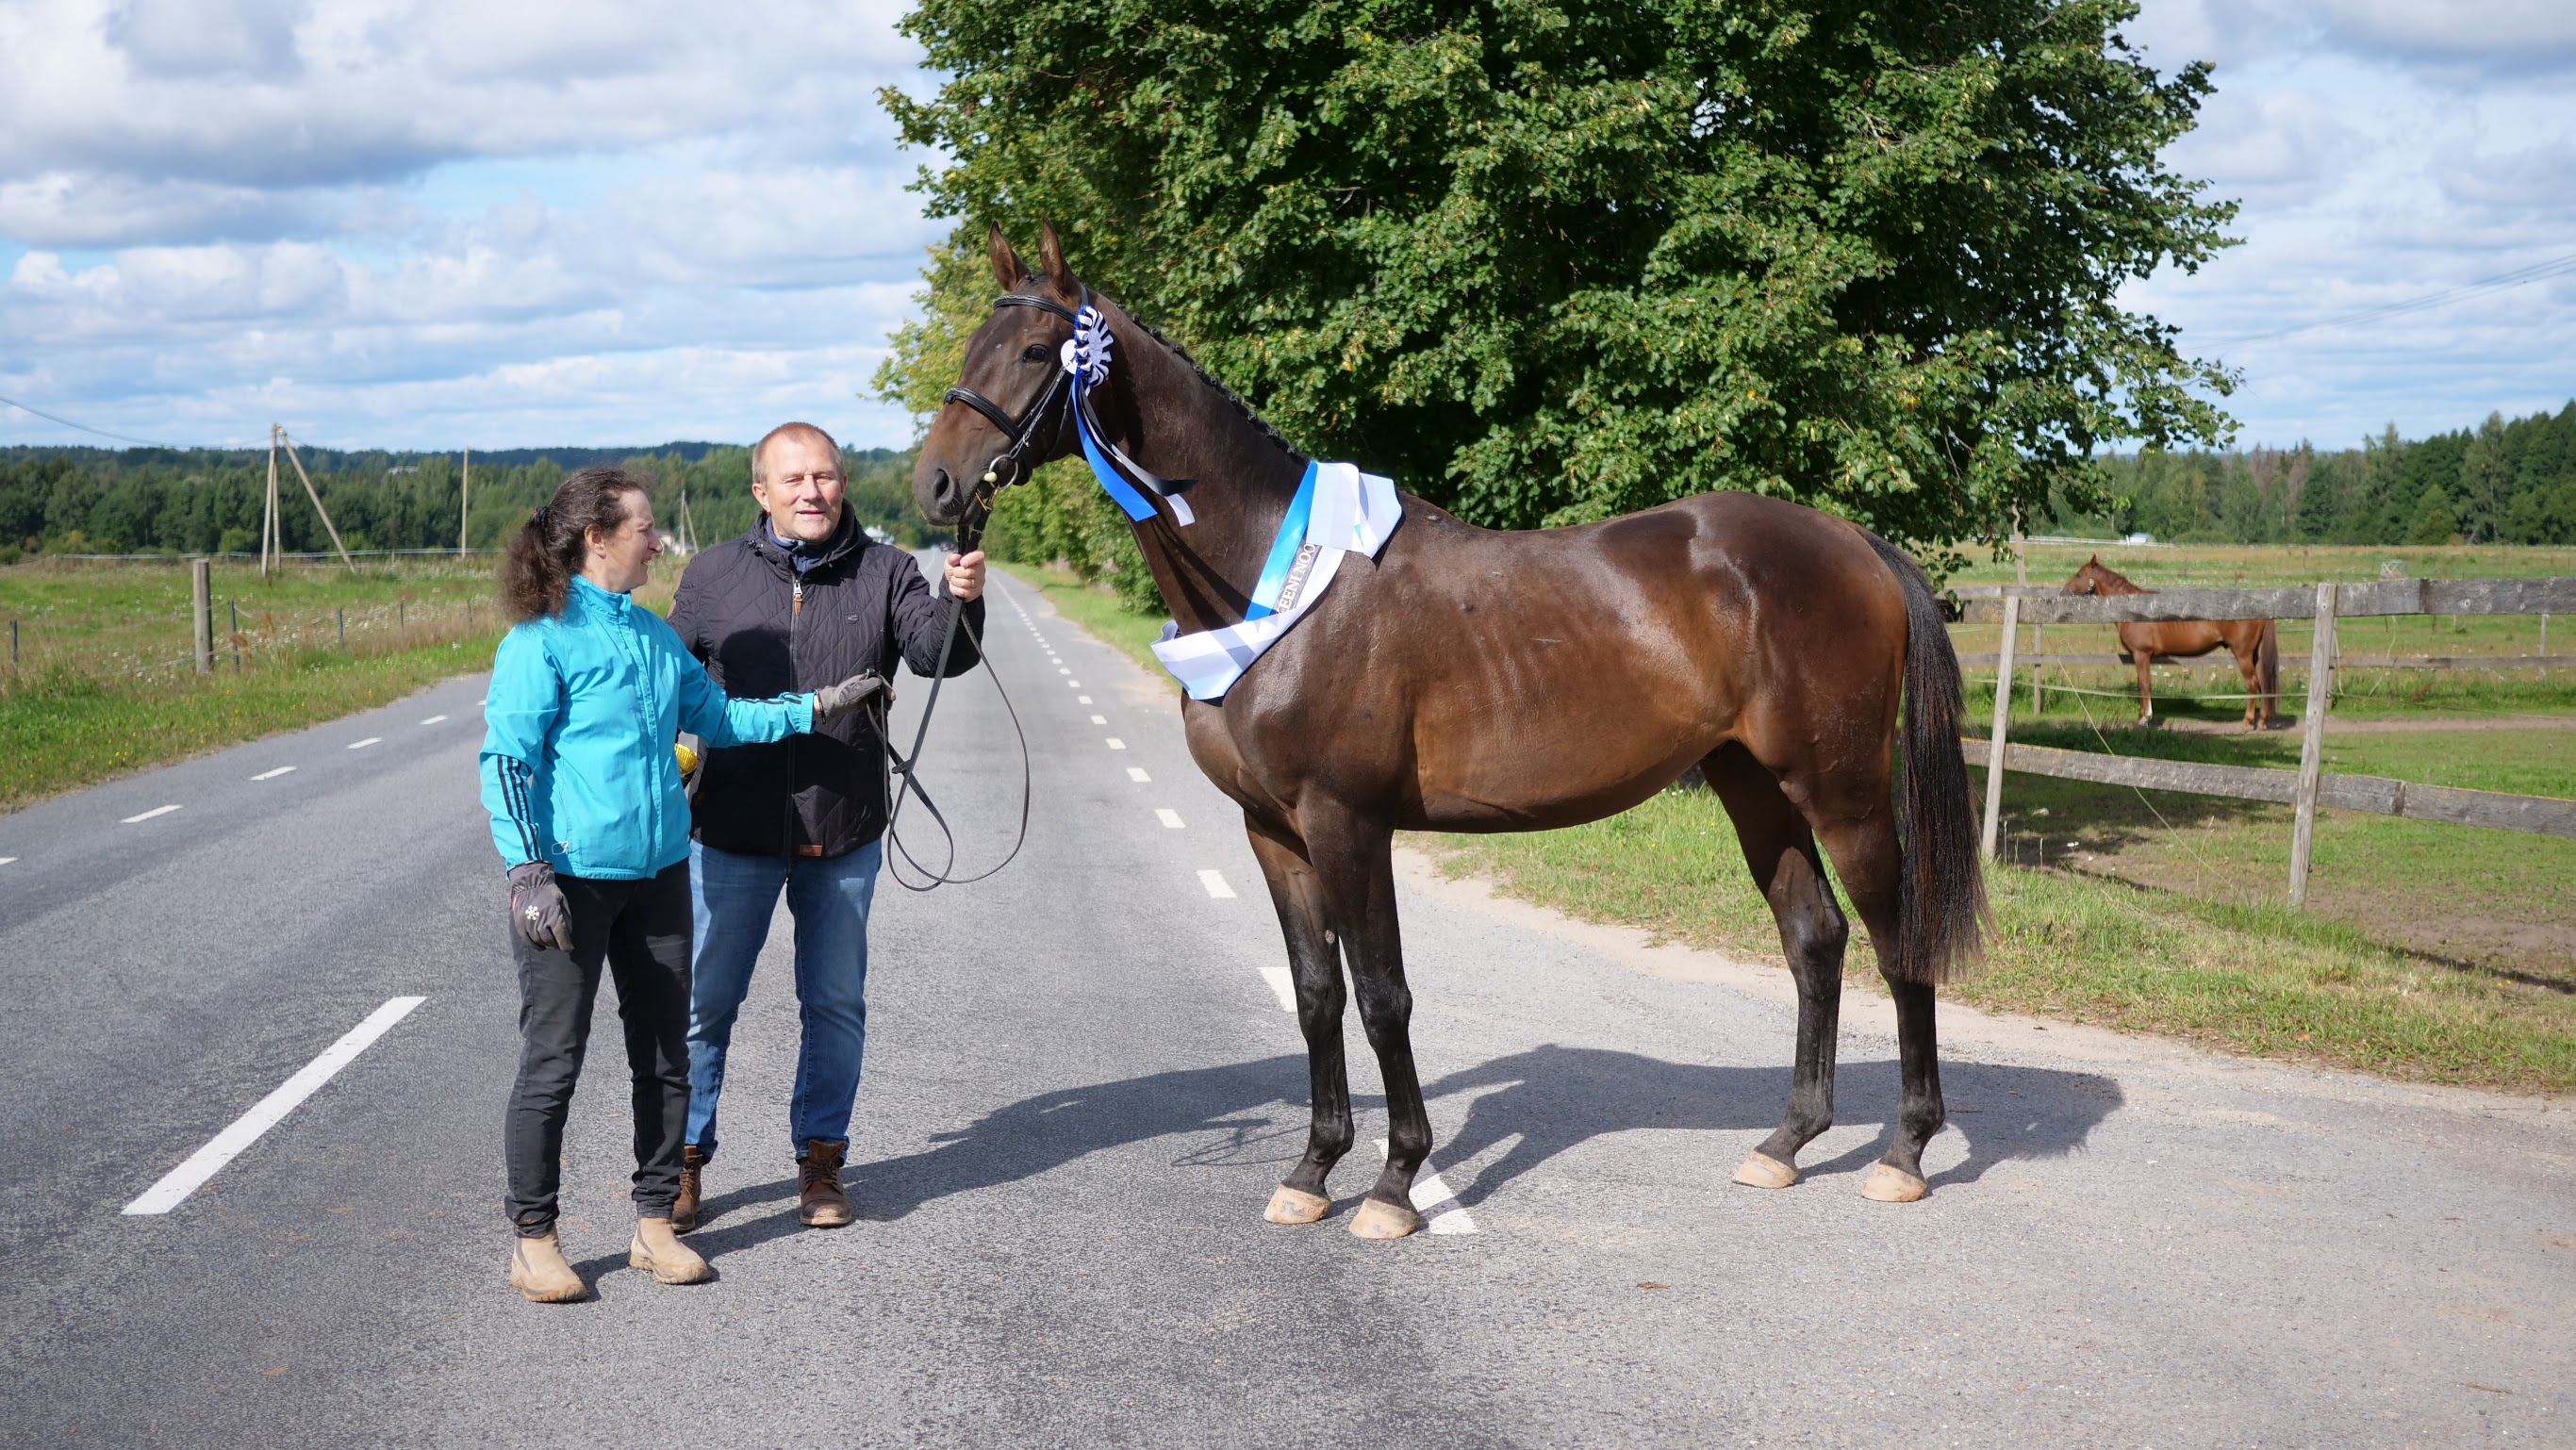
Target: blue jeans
(733, 898)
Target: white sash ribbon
(1353, 512)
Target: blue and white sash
(1344, 511)
(1337, 510)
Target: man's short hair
(760, 450)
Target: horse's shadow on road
(1544, 1101)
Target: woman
(589, 694)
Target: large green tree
(1550, 260)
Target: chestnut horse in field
(1468, 679)
(2255, 644)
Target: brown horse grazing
(1473, 680)
(2255, 644)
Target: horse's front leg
(2146, 659)
(1351, 855)
(1315, 966)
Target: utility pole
(268, 508)
(464, 498)
(311, 493)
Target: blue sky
(392, 223)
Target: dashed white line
(1170, 818)
(229, 1144)
(147, 815)
(1082, 699)
(1113, 742)
(1073, 684)
(1063, 670)
(1099, 719)
(274, 774)
(5, 860)
(1214, 881)
(1137, 774)
(1429, 1193)
(434, 719)
(1281, 987)
(363, 744)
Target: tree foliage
(1550, 260)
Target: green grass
(1094, 608)
(2250, 977)
(105, 683)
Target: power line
(84, 427)
(2502, 281)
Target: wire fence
(248, 635)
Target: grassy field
(2248, 977)
(105, 683)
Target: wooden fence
(2307, 787)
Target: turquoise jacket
(585, 706)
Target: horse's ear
(1008, 269)
(1051, 256)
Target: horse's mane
(1231, 396)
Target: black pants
(640, 929)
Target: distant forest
(199, 501)
(2502, 482)
(2509, 482)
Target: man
(803, 596)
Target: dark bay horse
(2255, 645)
(1474, 680)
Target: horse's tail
(2270, 675)
(1942, 889)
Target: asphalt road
(1080, 1088)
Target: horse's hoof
(1892, 1185)
(1761, 1170)
(1291, 1205)
(1378, 1219)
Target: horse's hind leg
(1314, 964)
(1865, 853)
(1781, 852)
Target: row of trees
(201, 501)
(2502, 482)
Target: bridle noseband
(1011, 465)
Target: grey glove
(848, 695)
(537, 910)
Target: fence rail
(2543, 815)
(1990, 658)
(2306, 788)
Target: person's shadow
(1545, 1100)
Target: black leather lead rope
(903, 771)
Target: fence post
(342, 621)
(232, 607)
(2003, 711)
(2312, 743)
(2544, 642)
(201, 612)
(13, 641)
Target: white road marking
(1281, 987)
(1169, 817)
(363, 744)
(1082, 699)
(229, 1144)
(1137, 774)
(1063, 670)
(147, 815)
(5, 860)
(1429, 1193)
(274, 774)
(1073, 684)
(1099, 719)
(1113, 742)
(434, 719)
(1214, 881)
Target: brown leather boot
(684, 1209)
(538, 1270)
(819, 1200)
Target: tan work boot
(684, 1209)
(820, 1203)
(538, 1270)
(659, 1251)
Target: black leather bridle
(1011, 465)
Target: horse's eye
(1035, 352)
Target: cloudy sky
(392, 223)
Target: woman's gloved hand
(537, 910)
(848, 695)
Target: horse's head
(2087, 580)
(1009, 377)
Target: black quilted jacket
(742, 612)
